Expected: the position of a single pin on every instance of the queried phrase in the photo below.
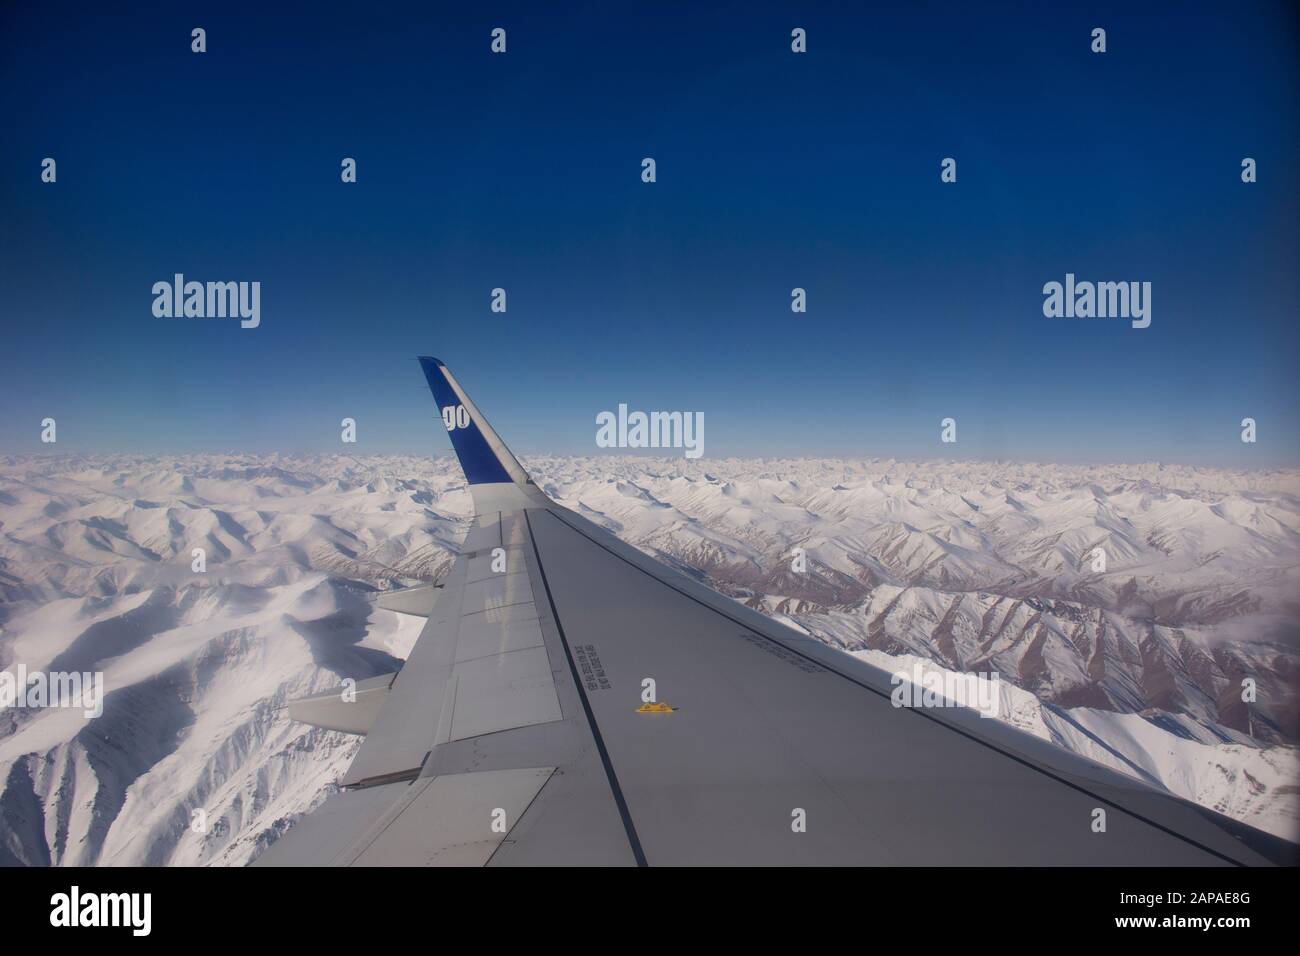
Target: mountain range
(960, 566)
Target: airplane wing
(518, 730)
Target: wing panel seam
(619, 800)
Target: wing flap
(454, 819)
(416, 601)
(503, 691)
(349, 709)
(479, 667)
(446, 820)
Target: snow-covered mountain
(966, 566)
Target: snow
(966, 566)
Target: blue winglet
(477, 459)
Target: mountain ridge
(963, 566)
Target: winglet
(496, 480)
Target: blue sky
(775, 170)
